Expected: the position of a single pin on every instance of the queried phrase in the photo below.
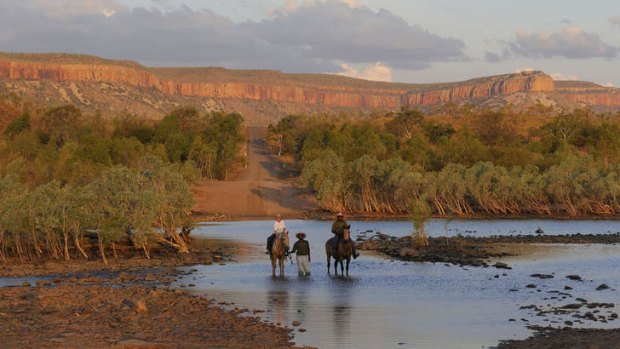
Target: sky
(388, 40)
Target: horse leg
(342, 267)
(329, 260)
(282, 266)
(273, 266)
(348, 261)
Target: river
(392, 304)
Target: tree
(125, 203)
(419, 213)
(172, 199)
(405, 123)
(61, 123)
(18, 125)
(326, 175)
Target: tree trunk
(101, 249)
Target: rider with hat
(338, 228)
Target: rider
(279, 228)
(338, 230)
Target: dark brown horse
(278, 253)
(344, 251)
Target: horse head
(346, 235)
(284, 238)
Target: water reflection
(277, 301)
(341, 320)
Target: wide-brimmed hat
(300, 235)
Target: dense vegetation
(482, 162)
(75, 186)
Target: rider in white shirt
(279, 227)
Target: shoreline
(66, 303)
(218, 217)
(126, 311)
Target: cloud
(311, 36)
(615, 20)
(67, 8)
(609, 84)
(571, 42)
(338, 31)
(375, 72)
(492, 57)
(560, 76)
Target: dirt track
(264, 188)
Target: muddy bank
(473, 251)
(567, 338)
(125, 304)
(112, 314)
(202, 251)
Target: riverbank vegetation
(482, 162)
(78, 186)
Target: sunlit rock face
(154, 90)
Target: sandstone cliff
(76, 79)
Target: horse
(344, 251)
(278, 252)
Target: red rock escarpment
(285, 88)
(483, 88)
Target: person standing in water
(279, 227)
(302, 249)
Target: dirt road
(264, 188)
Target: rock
(542, 276)
(568, 288)
(574, 277)
(296, 323)
(500, 265)
(30, 296)
(25, 284)
(531, 286)
(138, 306)
(302, 330)
(407, 252)
(572, 306)
(602, 287)
(150, 277)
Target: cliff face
(77, 72)
(159, 88)
(312, 93)
(484, 88)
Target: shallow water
(391, 304)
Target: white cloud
(560, 76)
(571, 42)
(374, 72)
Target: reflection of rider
(338, 228)
(279, 228)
